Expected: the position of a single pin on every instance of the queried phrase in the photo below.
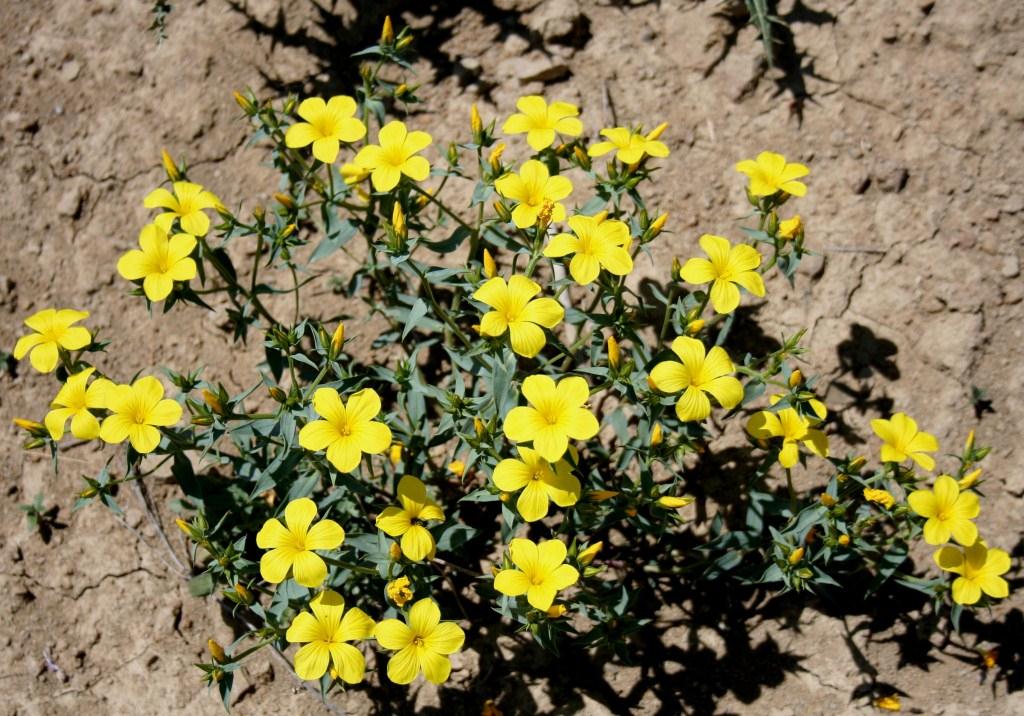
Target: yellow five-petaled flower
(404, 521)
(537, 192)
(556, 413)
(793, 428)
(729, 266)
(597, 244)
(325, 634)
(291, 545)
(517, 311)
(770, 174)
(980, 569)
(160, 263)
(186, 204)
(540, 572)
(53, 330)
(697, 374)
(327, 125)
(74, 401)
(540, 482)
(347, 431)
(540, 121)
(136, 411)
(629, 146)
(948, 511)
(394, 156)
(901, 439)
(422, 645)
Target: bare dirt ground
(910, 116)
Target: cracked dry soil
(909, 115)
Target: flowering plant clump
(537, 400)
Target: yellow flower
(979, 568)
(631, 146)
(347, 431)
(902, 440)
(541, 121)
(556, 413)
(457, 468)
(324, 634)
(53, 331)
(518, 312)
(729, 266)
(404, 521)
(536, 191)
(136, 411)
(186, 204)
(74, 401)
(948, 510)
(793, 428)
(327, 125)
(881, 497)
(395, 156)
(888, 703)
(398, 591)
(770, 174)
(541, 572)
(597, 245)
(291, 547)
(422, 646)
(160, 263)
(791, 228)
(697, 375)
(539, 482)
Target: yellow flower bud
(270, 497)
(857, 463)
(631, 511)
(243, 102)
(184, 527)
(216, 651)
(969, 479)
(494, 157)
(827, 500)
(338, 339)
(654, 229)
(476, 125)
(213, 401)
(490, 268)
(401, 90)
(587, 556)
(989, 658)
(387, 33)
(881, 497)
(457, 467)
(404, 42)
(88, 493)
(395, 454)
(651, 385)
(969, 443)
(614, 355)
(695, 326)
(395, 552)
(795, 378)
(284, 200)
(656, 435)
(844, 540)
(556, 610)
(31, 427)
(490, 709)
(796, 555)
(202, 420)
(503, 213)
(398, 591)
(677, 267)
(581, 157)
(504, 497)
(277, 394)
(791, 228)
(423, 199)
(244, 594)
(601, 495)
(657, 131)
(888, 703)
(398, 221)
(672, 502)
(173, 173)
(479, 427)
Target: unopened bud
(490, 268)
(844, 540)
(796, 555)
(173, 173)
(795, 378)
(587, 556)
(695, 326)
(287, 231)
(614, 355)
(672, 502)
(969, 479)
(395, 552)
(457, 467)
(791, 228)
(211, 399)
(476, 125)
(243, 594)
(969, 442)
(31, 427)
(243, 102)
(289, 105)
(657, 131)
(88, 493)
(494, 158)
(337, 340)
(258, 213)
(398, 221)
(656, 435)
(453, 154)
(631, 511)
(395, 454)
(216, 651)
(184, 527)
(401, 90)
(202, 421)
(826, 499)
(285, 200)
(387, 32)
(601, 495)
(581, 157)
(404, 42)
(502, 211)
(857, 463)
(655, 228)
(277, 394)
(556, 610)
(677, 268)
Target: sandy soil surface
(910, 116)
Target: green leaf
(201, 585)
(418, 311)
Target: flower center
(536, 579)
(394, 155)
(417, 641)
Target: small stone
(1010, 267)
(890, 178)
(70, 70)
(71, 203)
(812, 265)
(1014, 205)
(979, 58)
(860, 183)
(534, 67)
(560, 21)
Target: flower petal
(309, 569)
(404, 666)
(274, 565)
(393, 634)
(446, 638)
(348, 662)
(305, 628)
(311, 660)
(417, 543)
(325, 534)
(511, 582)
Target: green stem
(430, 197)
